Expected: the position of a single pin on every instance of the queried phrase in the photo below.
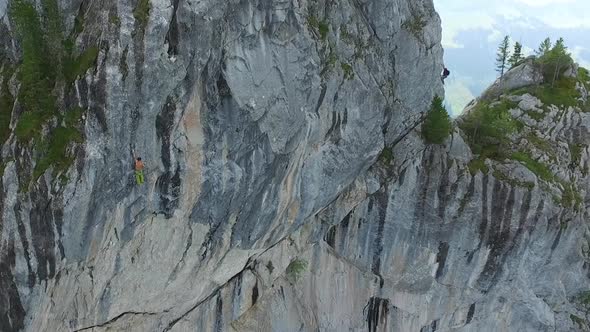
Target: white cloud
(544, 3)
(462, 15)
(458, 96)
(577, 55)
(454, 23)
(495, 36)
(527, 51)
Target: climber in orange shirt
(139, 170)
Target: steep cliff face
(251, 116)
(286, 186)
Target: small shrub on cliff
(296, 268)
(322, 27)
(415, 25)
(437, 125)
(142, 13)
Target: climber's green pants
(139, 177)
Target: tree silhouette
(544, 47)
(516, 57)
(502, 56)
(554, 61)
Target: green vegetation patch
(513, 182)
(541, 144)
(536, 115)
(330, 61)
(540, 169)
(415, 25)
(322, 27)
(576, 153)
(584, 298)
(35, 72)
(56, 151)
(29, 126)
(578, 321)
(52, 25)
(72, 117)
(296, 268)
(6, 104)
(437, 126)
(114, 19)
(345, 35)
(141, 13)
(488, 128)
(47, 62)
(73, 68)
(386, 156)
(357, 42)
(477, 165)
(347, 69)
(584, 75)
(571, 197)
(563, 93)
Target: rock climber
(445, 74)
(139, 170)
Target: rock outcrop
(287, 184)
(525, 74)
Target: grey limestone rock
(525, 74)
(287, 185)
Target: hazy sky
(472, 30)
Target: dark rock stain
(498, 238)
(255, 293)
(25, 243)
(12, 313)
(172, 35)
(377, 312)
(483, 225)
(218, 327)
(443, 193)
(344, 229)
(222, 87)
(431, 327)
(402, 176)
(99, 98)
(43, 237)
(330, 237)
(441, 257)
(557, 238)
(169, 183)
(321, 99)
(381, 199)
(470, 314)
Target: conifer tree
(554, 61)
(544, 47)
(437, 125)
(516, 57)
(502, 56)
